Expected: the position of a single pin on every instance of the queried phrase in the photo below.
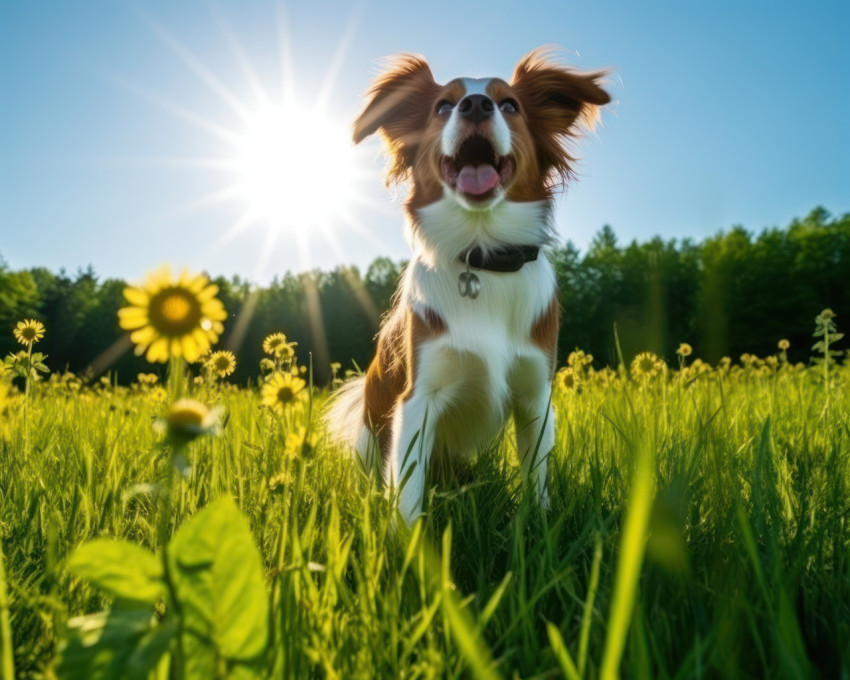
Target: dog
(472, 333)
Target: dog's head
(480, 140)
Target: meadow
(699, 527)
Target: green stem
(27, 381)
(163, 525)
(175, 377)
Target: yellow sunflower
(173, 317)
(566, 378)
(277, 345)
(783, 344)
(685, 350)
(273, 343)
(646, 365)
(29, 332)
(221, 363)
(578, 359)
(187, 419)
(282, 391)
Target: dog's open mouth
(475, 170)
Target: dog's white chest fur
(485, 357)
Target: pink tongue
(477, 180)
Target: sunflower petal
(143, 336)
(158, 351)
(136, 296)
(189, 348)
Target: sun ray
(237, 228)
(343, 45)
(272, 236)
(287, 74)
(211, 200)
(202, 123)
(295, 171)
(234, 340)
(352, 222)
(194, 64)
(318, 337)
(239, 55)
(362, 297)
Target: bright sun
(290, 167)
(295, 167)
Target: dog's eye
(444, 108)
(508, 106)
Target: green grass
(699, 527)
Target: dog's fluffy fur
(482, 158)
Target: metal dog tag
(468, 285)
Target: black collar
(507, 259)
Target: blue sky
(725, 113)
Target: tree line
(731, 293)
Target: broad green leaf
(219, 579)
(114, 645)
(120, 568)
(199, 659)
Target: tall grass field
(699, 527)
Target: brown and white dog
(472, 334)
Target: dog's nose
(476, 107)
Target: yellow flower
(173, 317)
(222, 363)
(300, 442)
(266, 365)
(273, 343)
(566, 378)
(685, 350)
(783, 344)
(5, 403)
(187, 419)
(280, 480)
(29, 332)
(578, 359)
(646, 365)
(282, 391)
(276, 344)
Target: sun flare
(295, 167)
(284, 162)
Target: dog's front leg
(534, 420)
(410, 453)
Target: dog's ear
(555, 95)
(556, 100)
(398, 105)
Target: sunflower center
(28, 333)
(175, 312)
(285, 395)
